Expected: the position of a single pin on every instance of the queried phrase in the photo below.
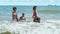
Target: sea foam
(49, 26)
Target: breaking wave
(46, 26)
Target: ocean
(50, 20)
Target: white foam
(29, 27)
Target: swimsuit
(14, 16)
(35, 14)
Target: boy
(14, 14)
(22, 17)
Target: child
(35, 17)
(22, 17)
(14, 14)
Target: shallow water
(50, 22)
(26, 27)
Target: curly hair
(34, 8)
(14, 8)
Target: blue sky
(29, 2)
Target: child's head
(23, 14)
(34, 8)
(14, 8)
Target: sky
(30, 2)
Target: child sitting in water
(35, 17)
(14, 14)
(22, 17)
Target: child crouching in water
(22, 17)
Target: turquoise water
(6, 11)
(50, 20)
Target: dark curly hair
(34, 8)
(14, 8)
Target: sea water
(50, 20)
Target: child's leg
(38, 19)
(34, 20)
